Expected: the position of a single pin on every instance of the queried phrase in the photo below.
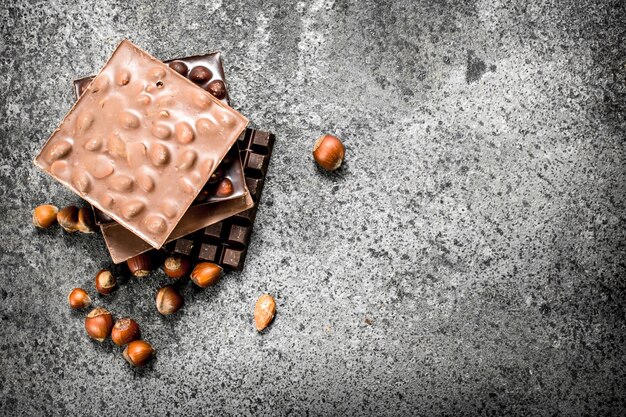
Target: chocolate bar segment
(140, 143)
(226, 242)
(231, 167)
(123, 244)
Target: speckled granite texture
(468, 259)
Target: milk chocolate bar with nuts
(207, 71)
(140, 143)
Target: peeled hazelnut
(176, 267)
(99, 323)
(264, 311)
(329, 152)
(85, 223)
(169, 300)
(138, 352)
(68, 218)
(105, 282)
(140, 265)
(45, 216)
(78, 299)
(224, 188)
(206, 274)
(125, 331)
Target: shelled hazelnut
(264, 311)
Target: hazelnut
(179, 67)
(85, 222)
(216, 175)
(125, 331)
(202, 196)
(176, 267)
(206, 274)
(99, 323)
(138, 352)
(169, 300)
(105, 282)
(329, 152)
(217, 89)
(140, 265)
(224, 188)
(264, 311)
(200, 74)
(45, 216)
(78, 299)
(68, 218)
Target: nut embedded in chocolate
(231, 163)
(200, 74)
(216, 175)
(202, 196)
(224, 188)
(179, 67)
(226, 242)
(217, 88)
(128, 149)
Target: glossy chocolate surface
(230, 167)
(226, 242)
(141, 143)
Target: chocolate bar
(226, 242)
(140, 143)
(123, 244)
(229, 172)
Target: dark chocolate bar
(226, 242)
(208, 72)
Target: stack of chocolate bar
(165, 162)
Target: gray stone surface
(469, 258)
